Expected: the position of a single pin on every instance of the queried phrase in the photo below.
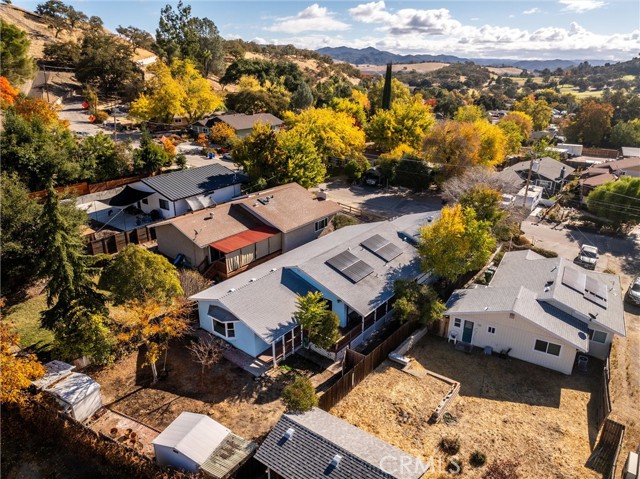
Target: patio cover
(128, 196)
(200, 202)
(240, 240)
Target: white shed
(189, 441)
(77, 394)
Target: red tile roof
(245, 238)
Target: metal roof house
(230, 238)
(242, 124)
(77, 394)
(354, 267)
(179, 192)
(195, 442)
(542, 310)
(317, 445)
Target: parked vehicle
(633, 293)
(372, 177)
(587, 257)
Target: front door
(467, 332)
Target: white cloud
(531, 11)
(312, 18)
(581, 6)
(373, 12)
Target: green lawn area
(580, 94)
(25, 319)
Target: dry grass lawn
(507, 409)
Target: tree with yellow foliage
(223, 134)
(538, 110)
(38, 108)
(8, 94)
(470, 114)
(456, 243)
(399, 92)
(407, 122)
(18, 369)
(333, 133)
(177, 91)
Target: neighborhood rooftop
(316, 445)
(193, 181)
(548, 168)
(240, 121)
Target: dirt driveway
(507, 409)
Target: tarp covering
(246, 238)
(128, 196)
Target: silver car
(633, 293)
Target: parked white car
(633, 293)
(587, 257)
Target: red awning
(240, 240)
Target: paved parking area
(385, 201)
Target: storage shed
(195, 441)
(77, 394)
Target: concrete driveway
(384, 201)
(78, 117)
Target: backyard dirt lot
(226, 393)
(507, 409)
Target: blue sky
(567, 29)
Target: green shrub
(300, 395)
(340, 221)
(450, 445)
(477, 459)
(354, 169)
(498, 258)
(545, 252)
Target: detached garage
(195, 441)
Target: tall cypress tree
(386, 92)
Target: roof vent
(232, 290)
(336, 461)
(288, 434)
(547, 289)
(593, 315)
(274, 269)
(252, 280)
(549, 283)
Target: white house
(179, 192)
(540, 310)
(195, 441)
(354, 267)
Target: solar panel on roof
(382, 247)
(596, 291)
(357, 271)
(349, 265)
(374, 243)
(574, 279)
(389, 252)
(342, 260)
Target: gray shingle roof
(532, 287)
(318, 437)
(549, 169)
(240, 121)
(194, 181)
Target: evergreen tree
(386, 92)
(64, 263)
(16, 63)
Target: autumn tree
(470, 114)
(399, 92)
(406, 122)
(254, 96)
(416, 302)
(259, 154)
(320, 324)
(136, 274)
(591, 124)
(192, 282)
(455, 243)
(153, 324)
(458, 186)
(522, 120)
(485, 201)
(333, 133)
(617, 201)
(302, 163)
(8, 94)
(17, 66)
(351, 107)
(223, 134)
(538, 110)
(18, 369)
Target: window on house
(492, 330)
(546, 347)
(164, 204)
(597, 336)
(457, 322)
(145, 201)
(322, 224)
(228, 329)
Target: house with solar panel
(354, 268)
(179, 192)
(545, 311)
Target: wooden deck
(604, 456)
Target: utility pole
(526, 190)
(46, 86)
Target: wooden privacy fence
(364, 215)
(600, 153)
(84, 188)
(116, 242)
(604, 408)
(605, 455)
(364, 367)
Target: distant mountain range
(373, 56)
